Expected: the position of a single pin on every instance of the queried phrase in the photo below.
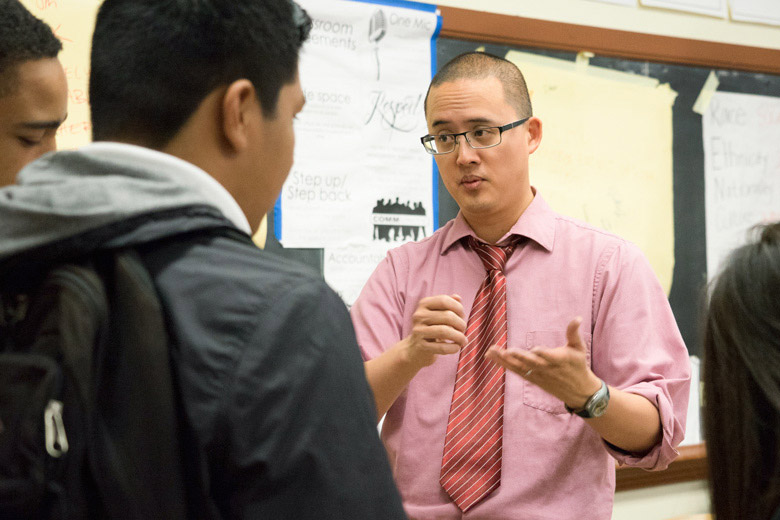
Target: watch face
(599, 408)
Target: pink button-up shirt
(555, 466)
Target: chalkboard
(690, 271)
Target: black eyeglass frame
(501, 130)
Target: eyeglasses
(479, 138)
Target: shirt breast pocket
(534, 396)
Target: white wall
(637, 19)
(662, 502)
(668, 501)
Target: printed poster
(360, 174)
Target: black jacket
(272, 382)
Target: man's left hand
(561, 371)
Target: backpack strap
(141, 459)
(138, 456)
(201, 505)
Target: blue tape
(435, 195)
(408, 4)
(278, 218)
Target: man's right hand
(438, 328)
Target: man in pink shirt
(596, 367)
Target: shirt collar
(180, 170)
(536, 223)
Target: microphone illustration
(376, 31)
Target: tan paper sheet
(606, 152)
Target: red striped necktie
(471, 464)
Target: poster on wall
(629, 3)
(757, 11)
(360, 174)
(606, 156)
(717, 8)
(741, 169)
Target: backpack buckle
(56, 440)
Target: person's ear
(238, 106)
(534, 134)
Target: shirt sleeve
(378, 313)
(300, 424)
(637, 347)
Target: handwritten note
(741, 133)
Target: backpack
(89, 417)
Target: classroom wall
(662, 502)
(656, 503)
(668, 501)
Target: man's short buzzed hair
(480, 65)
(23, 37)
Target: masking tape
(705, 96)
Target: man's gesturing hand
(562, 371)
(438, 327)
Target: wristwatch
(595, 406)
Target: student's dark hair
(741, 374)
(481, 65)
(23, 37)
(154, 61)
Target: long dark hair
(741, 373)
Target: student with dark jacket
(192, 107)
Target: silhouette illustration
(395, 222)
